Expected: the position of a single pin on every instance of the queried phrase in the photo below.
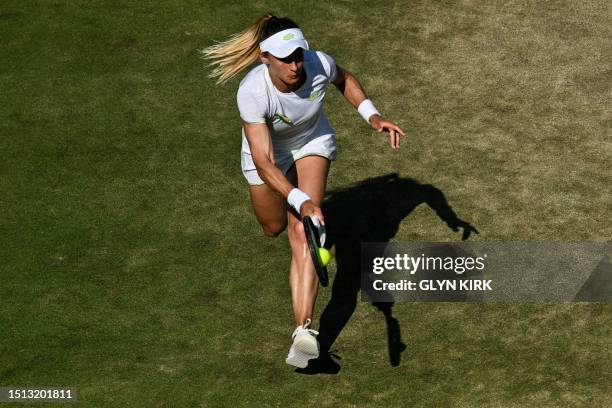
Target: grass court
(133, 269)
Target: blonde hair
(237, 52)
(240, 50)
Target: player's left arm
(352, 90)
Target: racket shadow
(371, 211)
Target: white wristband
(296, 198)
(367, 109)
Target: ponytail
(240, 50)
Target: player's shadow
(370, 211)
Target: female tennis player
(288, 144)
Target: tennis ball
(324, 256)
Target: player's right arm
(258, 136)
(260, 143)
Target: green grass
(133, 269)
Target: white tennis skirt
(324, 146)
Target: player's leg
(270, 209)
(312, 174)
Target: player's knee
(273, 230)
(297, 230)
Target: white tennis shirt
(294, 118)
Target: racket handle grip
(321, 228)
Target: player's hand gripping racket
(315, 236)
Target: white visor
(283, 43)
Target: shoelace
(313, 332)
(306, 326)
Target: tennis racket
(315, 241)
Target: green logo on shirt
(288, 36)
(279, 117)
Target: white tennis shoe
(304, 347)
